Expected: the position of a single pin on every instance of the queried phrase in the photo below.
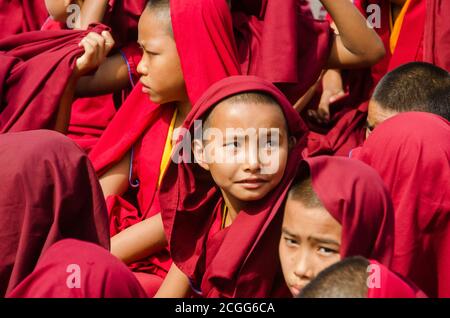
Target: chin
(59, 18)
(158, 100)
(155, 100)
(252, 196)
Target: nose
(253, 160)
(142, 68)
(304, 267)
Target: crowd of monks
(224, 148)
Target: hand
(332, 91)
(96, 49)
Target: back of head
(356, 197)
(411, 87)
(439, 102)
(345, 279)
(159, 4)
(410, 151)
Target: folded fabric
(34, 72)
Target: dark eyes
(290, 242)
(237, 144)
(272, 144)
(327, 251)
(143, 50)
(233, 144)
(369, 127)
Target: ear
(292, 142)
(199, 154)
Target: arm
(300, 105)
(96, 48)
(65, 105)
(140, 240)
(111, 76)
(332, 90)
(115, 181)
(92, 11)
(357, 45)
(175, 285)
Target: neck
(183, 109)
(234, 205)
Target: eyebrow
(285, 231)
(279, 132)
(145, 46)
(323, 240)
(259, 135)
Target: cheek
(176, 70)
(176, 78)
(286, 259)
(277, 166)
(323, 264)
(287, 254)
(221, 173)
(174, 67)
(226, 159)
(166, 77)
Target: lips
(252, 183)
(145, 88)
(295, 290)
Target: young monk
(340, 127)
(270, 32)
(134, 150)
(39, 73)
(91, 11)
(92, 110)
(410, 87)
(223, 223)
(49, 192)
(336, 208)
(410, 151)
(171, 79)
(121, 16)
(357, 277)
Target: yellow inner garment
(224, 217)
(166, 157)
(396, 27)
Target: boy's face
(310, 242)
(245, 148)
(57, 9)
(160, 67)
(376, 115)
